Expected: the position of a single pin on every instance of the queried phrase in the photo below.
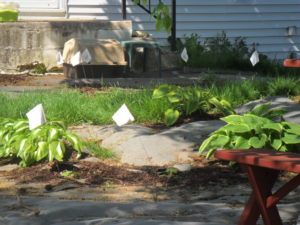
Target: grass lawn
(76, 107)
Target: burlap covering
(103, 51)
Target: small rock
(183, 167)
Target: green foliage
(284, 86)
(95, 148)
(251, 131)
(46, 142)
(222, 53)
(163, 20)
(184, 101)
(68, 173)
(39, 68)
(262, 110)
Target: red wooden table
(291, 63)
(262, 167)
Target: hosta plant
(250, 131)
(262, 110)
(46, 142)
(184, 101)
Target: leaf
(206, 144)
(293, 131)
(52, 148)
(162, 91)
(291, 139)
(233, 119)
(276, 143)
(60, 151)
(242, 143)
(237, 128)
(273, 126)
(19, 124)
(174, 97)
(259, 110)
(283, 148)
(171, 116)
(275, 113)
(258, 142)
(53, 134)
(222, 105)
(75, 141)
(290, 125)
(220, 141)
(42, 150)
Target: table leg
(262, 181)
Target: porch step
(24, 42)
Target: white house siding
(37, 9)
(260, 21)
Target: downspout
(124, 9)
(173, 30)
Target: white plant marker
(76, 59)
(36, 116)
(254, 59)
(123, 116)
(59, 58)
(86, 56)
(184, 55)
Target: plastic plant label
(59, 59)
(254, 59)
(184, 55)
(86, 56)
(75, 60)
(36, 116)
(123, 116)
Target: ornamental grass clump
(46, 142)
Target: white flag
(59, 58)
(254, 59)
(122, 116)
(184, 55)
(75, 60)
(36, 116)
(86, 56)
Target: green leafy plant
(250, 131)
(161, 13)
(46, 142)
(68, 173)
(183, 100)
(95, 148)
(262, 110)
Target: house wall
(264, 21)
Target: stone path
(216, 206)
(139, 146)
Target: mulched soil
(205, 173)
(25, 79)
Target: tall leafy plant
(46, 142)
(185, 101)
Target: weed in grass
(237, 92)
(284, 86)
(98, 151)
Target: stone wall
(26, 42)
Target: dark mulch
(205, 174)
